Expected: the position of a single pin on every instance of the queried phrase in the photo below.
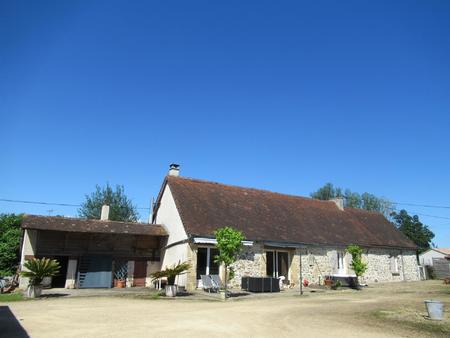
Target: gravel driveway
(388, 310)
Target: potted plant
(328, 281)
(120, 278)
(171, 273)
(37, 270)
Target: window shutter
(333, 262)
(393, 267)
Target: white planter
(435, 309)
(223, 294)
(171, 290)
(47, 282)
(34, 291)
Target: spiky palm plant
(39, 268)
(172, 272)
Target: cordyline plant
(357, 264)
(172, 272)
(229, 243)
(38, 269)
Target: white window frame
(208, 261)
(340, 263)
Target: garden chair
(208, 284)
(218, 283)
(216, 280)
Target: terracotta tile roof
(443, 250)
(268, 216)
(57, 223)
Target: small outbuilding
(91, 252)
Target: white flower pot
(171, 290)
(34, 291)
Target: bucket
(435, 309)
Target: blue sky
(284, 96)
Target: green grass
(422, 325)
(11, 297)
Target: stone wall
(318, 262)
(252, 262)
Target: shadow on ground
(9, 325)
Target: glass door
(277, 264)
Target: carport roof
(58, 223)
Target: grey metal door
(95, 272)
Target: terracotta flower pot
(121, 284)
(328, 282)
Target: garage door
(95, 272)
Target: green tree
(10, 234)
(412, 228)
(121, 207)
(327, 192)
(358, 266)
(229, 243)
(352, 199)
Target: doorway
(140, 273)
(277, 264)
(59, 280)
(205, 262)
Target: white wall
(169, 217)
(426, 258)
(28, 249)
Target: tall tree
(412, 228)
(10, 234)
(121, 207)
(352, 199)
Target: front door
(140, 273)
(95, 272)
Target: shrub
(38, 269)
(357, 264)
(171, 272)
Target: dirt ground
(384, 310)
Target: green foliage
(10, 234)
(229, 243)
(357, 264)
(327, 192)
(171, 272)
(11, 297)
(352, 199)
(412, 228)
(336, 285)
(39, 268)
(120, 206)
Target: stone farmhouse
(285, 235)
